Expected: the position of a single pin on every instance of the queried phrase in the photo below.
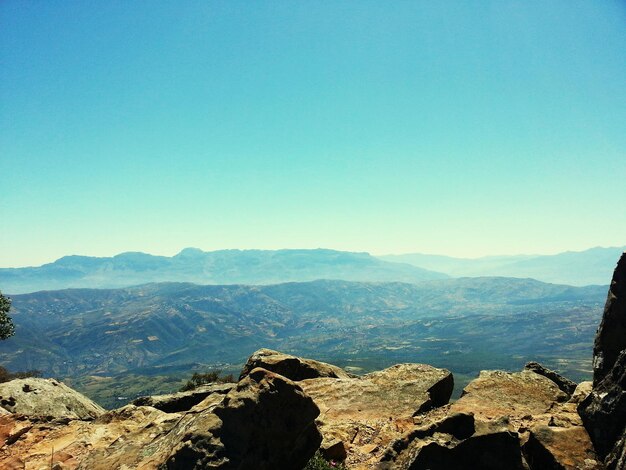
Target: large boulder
(455, 442)
(367, 413)
(603, 411)
(183, 401)
(62, 445)
(265, 421)
(559, 448)
(48, 398)
(292, 367)
(566, 385)
(495, 394)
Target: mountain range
(262, 267)
(577, 268)
(214, 267)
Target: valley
(116, 344)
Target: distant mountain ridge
(577, 268)
(213, 267)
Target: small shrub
(318, 462)
(213, 376)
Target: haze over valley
(350, 309)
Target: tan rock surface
(265, 422)
(46, 397)
(495, 394)
(292, 367)
(367, 413)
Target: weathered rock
(265, 422)
(458, 425)
(46, 398)
(555, 448)
(617, 457)
(610, 339)
(35, 445)
(566, 385)
(604, 410)
(334, 450)
(495, 394)
(367, 413)
(183, 401)
(583, 389)
(292, 367)
(491, 451)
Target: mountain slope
(462, 324)
(215, 267)
(593, 266)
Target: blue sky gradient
(459, 128)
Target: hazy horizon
(171, 254)
(462, 129)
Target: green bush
(318, 462)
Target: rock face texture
(502, 421)
(292, 367)
(46, 398)
(604, 411)
(363, 415)
(183, 401)
(266, 422)
(610, 339)
(566, 385)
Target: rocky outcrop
(566, 385)
(603, 411)
(495, 394)
(502, 420)
(367, 413)
(455, 442)
(292, 367)
(559, 448)
(183, 401)
(266, 422)
(610, 339)
(47, 398)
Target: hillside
(214, 267)
(580, 268)
(461, 324)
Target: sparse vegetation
(213, 376)
(6, 376)
(318, 462)
(7, 329)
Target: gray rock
(604, 410)
(183, 401)
(565, 384)
(610, 339)
(49, 398)
(292, 367)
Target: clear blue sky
(460, 128)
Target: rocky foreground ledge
(284, 408)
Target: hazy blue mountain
(214, 267)
(577, 268)
(464, 324)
